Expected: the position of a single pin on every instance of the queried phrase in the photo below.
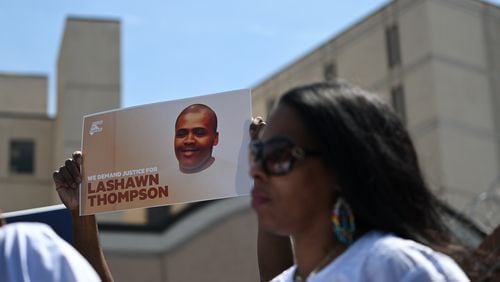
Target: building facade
(438, 63)
(32, 144)
(26, 142)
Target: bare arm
(85, 231)
(274, 252)
(86, 241)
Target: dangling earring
(343, 221)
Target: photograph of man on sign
(195, 136)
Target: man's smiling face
(195, 136)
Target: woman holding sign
(336, 172)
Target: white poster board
(166, 153)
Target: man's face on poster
(195, 136)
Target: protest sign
(166, 153)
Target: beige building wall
(216, 243)
(464, 98)
(449, 58)
(23, 191)
(88, 78)
(23, 94)
(23, 117)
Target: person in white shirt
(32, 251)
(335, 170)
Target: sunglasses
(277, 156)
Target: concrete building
(26, 142)
(88, 78)
(214, 241)
(438, 63)
(32, 144)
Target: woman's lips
(259, 198)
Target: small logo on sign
(96, 127)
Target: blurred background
(437, 62)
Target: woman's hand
(256, 127)
(67, 180)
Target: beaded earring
(343, 221)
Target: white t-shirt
(33, 252)
(384, 257)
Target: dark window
(398, 101)
(393, 51)
(22, 158)
(158, 215)
(330, 71)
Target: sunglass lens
(278, 158)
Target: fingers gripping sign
(256, 127)
(67, 180)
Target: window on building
(22, 156)
(393, 50)
(398, 101)
(330, 71)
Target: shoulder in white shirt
(378, 256)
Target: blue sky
(176, 49)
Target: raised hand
(256, 127)
(67, 180)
